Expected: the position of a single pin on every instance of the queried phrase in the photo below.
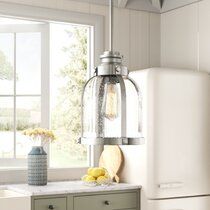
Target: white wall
(185, 37)
(136, 34)
(171, 4)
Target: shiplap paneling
(185, 37)
(132, 29)
(102, 10)
(204, 35)
(179, 38)
(154, 43)
(139, 40)
(122, 33)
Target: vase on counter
(37, 166)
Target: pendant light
(111, 108)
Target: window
(43, 67)
(69, 61)
(20, 87)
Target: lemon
(96, 172)
(89, 178)
(103, 171)
(89, 171)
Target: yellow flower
(46, 134)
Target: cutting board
(111, 159)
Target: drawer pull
(51, 207)
(107, 203)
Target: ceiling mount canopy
(122, 3)
(157, 3)
(111, 101)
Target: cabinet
(106, 201)
(50, 204)
(126, 200)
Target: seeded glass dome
(111, 108)
(110, 105)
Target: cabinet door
(126, 201)
(51, 204)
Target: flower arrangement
(40, 135)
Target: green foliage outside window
(6, 69)
(66, 119)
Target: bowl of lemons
(96, 176)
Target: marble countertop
(67, 187)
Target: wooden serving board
(111, 159)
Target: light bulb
(110, 103)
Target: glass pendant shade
(111, 106)
(110, 110)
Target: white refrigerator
(173, 165)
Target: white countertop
(67, 187)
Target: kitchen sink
(9, 193)
(10, 199)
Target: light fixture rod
(111, 25)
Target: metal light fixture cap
(111, 57)
(111, 64)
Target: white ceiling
(148, 5)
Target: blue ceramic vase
(37, 166)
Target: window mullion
(15, 113)
(45, 81)
(45, 77)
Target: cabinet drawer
(106, 201)
(50, 204)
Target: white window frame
(44, 95)
(51, 15)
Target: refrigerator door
(175, 160)
(194, 203)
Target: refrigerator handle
(170, 185)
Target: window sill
(19, 175)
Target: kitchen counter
(67, 187)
